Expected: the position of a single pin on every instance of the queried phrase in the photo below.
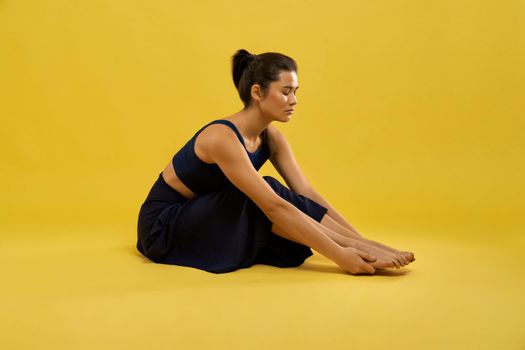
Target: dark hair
(262, 69)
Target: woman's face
(281, 97)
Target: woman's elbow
(276, 209)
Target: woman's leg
(384, 259)
(280, 249)
(316, 213)
(335, 226)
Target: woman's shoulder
(213, 136)
(215, 133)
(271, 129)
(215, 129)
(273, 132)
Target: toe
(400, 260)
(396, 263)
(404, 260)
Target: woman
(210, 209)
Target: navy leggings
(217, 232)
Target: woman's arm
(283, 159)
(222, 145)
(315, 196)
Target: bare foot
(384, 258)
(355, 261)
(408, 256)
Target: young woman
(210, 209)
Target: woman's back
(191, 171)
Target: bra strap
(225, 122)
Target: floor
(87, 288)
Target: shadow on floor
(312, 264)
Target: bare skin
(340, 241)
(336, 222)
(385, 257)
(403, 257)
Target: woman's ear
(256, 92)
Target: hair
(262, 69)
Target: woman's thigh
(228, 206)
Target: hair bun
(249, 57)
(240, 61)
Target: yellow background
(409, 121)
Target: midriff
(171, 178)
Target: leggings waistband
(161, 191)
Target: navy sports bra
(201, 177)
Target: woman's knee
(273, 182)
(282, 190)
(269, 178)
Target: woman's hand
(355, 261)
